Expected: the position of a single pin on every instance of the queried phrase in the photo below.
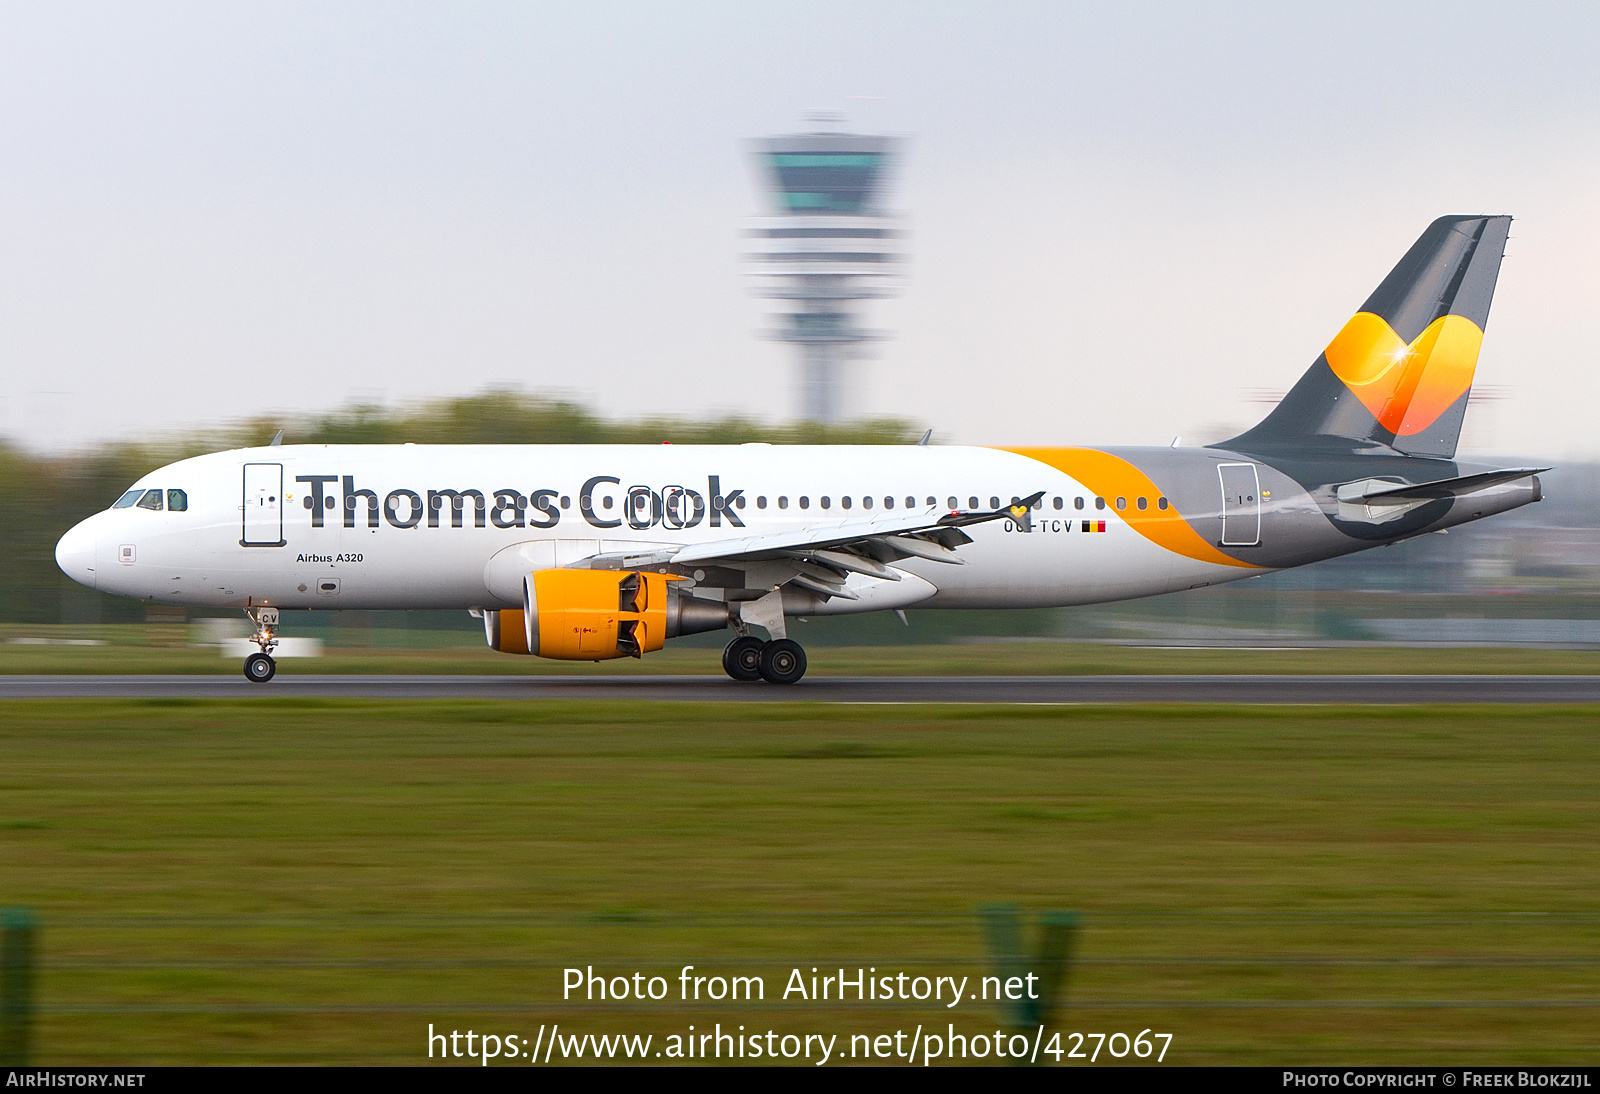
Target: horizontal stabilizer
(1378, 490)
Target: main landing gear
(748, 659)
(260, 667)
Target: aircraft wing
(821, 555)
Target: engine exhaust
(693, 615)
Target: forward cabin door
(1241, 504)
(263, 505)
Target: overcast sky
(1128, 222)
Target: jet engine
(596, 615)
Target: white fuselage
(401, 526)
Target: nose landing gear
(260, 667)
(748, 659)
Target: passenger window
(566, 502)
(972, 503)
(888, 503)
(151, 500)
(827, 502)
(954, 504)
(178, 501)
(932, 501)
(127, 499)
(994, 503)
(805, 502)
(1099, 503)
(761, 501)
(844, 501)
(1122, 503)
(739, 501)
(1141, 503)
(783, 501)
(1077, 503)
(1161, 503)
(866, 503)
(1055, 503)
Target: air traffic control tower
(827, 246)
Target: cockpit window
(177, 501)
(151, 500)
(128, 499)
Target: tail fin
(1399, 372)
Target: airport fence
(1221, 986)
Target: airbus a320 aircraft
(590, 552)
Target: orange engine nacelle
(596, 615)
(593, 615)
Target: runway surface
(836, 689)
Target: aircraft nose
(75, 554)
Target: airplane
(594, 552)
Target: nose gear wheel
(259, 668)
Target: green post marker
(1058, 932)
(1048, 965)
(16, 985)
(1002, 931)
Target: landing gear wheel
(259, 668)
(742, 659)
(782, 662)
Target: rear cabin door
(1241, 504)
(263, 505)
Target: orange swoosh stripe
(1406, 386)
(1113, 477)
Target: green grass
(455, 856)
